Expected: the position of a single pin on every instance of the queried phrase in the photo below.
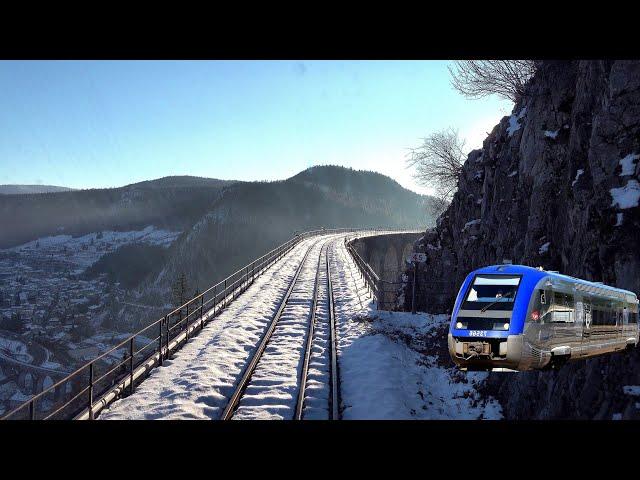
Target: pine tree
(180, 289)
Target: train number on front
(477, 333)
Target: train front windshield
(492, 292)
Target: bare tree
(479, 78)
(437, 205)
(438, 163)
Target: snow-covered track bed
(199, 379)
(289, 375)
(319, 389)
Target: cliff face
(555, 185)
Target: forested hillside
(26, 189)
(170, 202)
(248, 219)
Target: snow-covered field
(391, 365)
(84, 251)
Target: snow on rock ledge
(627, 196)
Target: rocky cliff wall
(554, 185)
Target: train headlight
(459, 325)
(506, 326)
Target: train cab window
(492, 292)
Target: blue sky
(88, 124)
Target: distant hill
(377, 194)
(29, 189)
(174, 203)
(181, 181)
(250, 218)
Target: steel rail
(251, 366)
(335, 374)
(309, 346)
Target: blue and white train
(515, 317)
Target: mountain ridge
(22, 189)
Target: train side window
(563, 308)
(598, 316)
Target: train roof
(591, 287)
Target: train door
(586, 325)
(578, 325)
(628, 328)
(563, 329)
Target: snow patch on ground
(389, 367)
(632, 390)
(627, 196)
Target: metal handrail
(369, 275)
(371, 278)
(224, 292)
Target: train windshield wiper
(506, 295)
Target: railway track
(293, 372)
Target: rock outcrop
(554, 185)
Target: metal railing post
(214, 299)
(201, 309)
(413, 289)
(186, 326)
(162, 320)
(166, 353)
(90, 406)
(32, 410)
(131, 365)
